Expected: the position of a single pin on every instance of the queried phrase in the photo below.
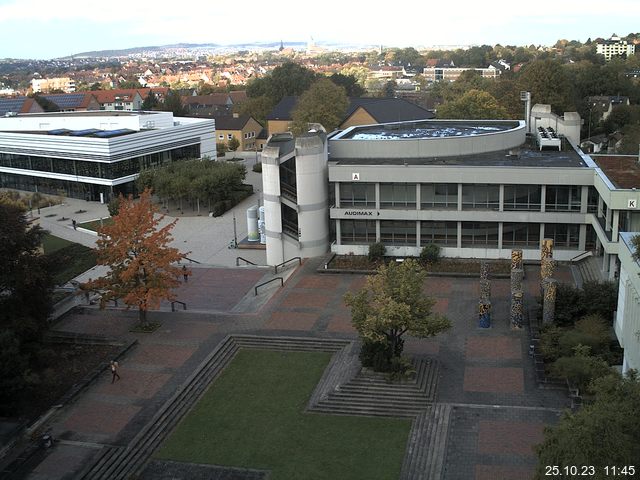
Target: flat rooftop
(427, 129)
(527, 155)
(622, 170)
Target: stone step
(437, 442)
(411, 463)
(380, 391)
(126, 461)
(366, 412)
(347, 398)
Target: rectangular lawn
(252, 417)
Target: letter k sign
(632, 203)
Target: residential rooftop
(622, 170)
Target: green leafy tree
(256, 107)
(548, 83)
(473, 105)
(25, 298)
(601, 434)
(389, 89)
(349, 83)
(173, 103)
(325, 103)
(289, 79)
(392, 304)
(233, 144)
(150, 103)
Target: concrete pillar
(459, 198)
(313, 195)
(615, 221)
(584, 199)
(377, 187)
(500, 230)
(517, 309)
(613, 267)
(377, 230)
(543, 200)
(418, 233)
(582, 238)
(338, 232)
(418, 196)
(271, 198)
(607, 221)
(546, 251)
(459, 244)
(484, 314)
(337, 194)
(600, 205)
(501, 200)
(605, 262)
(549, 301)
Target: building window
(522, 197)
(398, 195)
(521, 235)
(480, 197)
(592, 200)
(480, 234)
(398, 232)
(357, 232)
(439, 196)
(357, 195)
(440, 233)
(563, 198)
(220, 137)
(289, 221)
(229, 136)
(564, 235)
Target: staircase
(425, 454)
(589, 270)
(120, 463)
(372, 394)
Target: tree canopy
(391, 304)
(473, 105)
(325, 103)
(601, 434)
(289, 79)
(25, 298)
(142, 265)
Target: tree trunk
(142, 316)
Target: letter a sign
(355, 176)
(632, 203)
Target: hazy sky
(46, 29)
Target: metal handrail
(275, 269)
(173, 305)
(255, 289)
(241, 258)
(586, 254)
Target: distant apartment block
(451, 74)
(46, 85)
(615, 47)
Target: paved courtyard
(486, 375)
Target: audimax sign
(361, 213)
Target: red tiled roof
(622, 170)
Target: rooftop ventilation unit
(547, 137)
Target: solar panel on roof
(82, 133)
(68, 100)
(113, 133)
(11, 105)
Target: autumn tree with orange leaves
(143, 268)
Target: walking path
(488, 411)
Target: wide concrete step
(366, 412)
(357, 390)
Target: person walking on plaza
(114, 371)
(75, 224)
(185, 273)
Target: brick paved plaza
(498, 412)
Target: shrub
(591, 331)
(114, 206)
(221, 149)
(581, 368)
(380, 356)
(430, 253)
(377, 251)
(257, 167)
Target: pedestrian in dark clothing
(185, 274)
(114, 371)
(75, 224)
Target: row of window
(473, 234)
(474, 196)
(83, 168)
(247, 135)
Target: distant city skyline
(39, 29)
